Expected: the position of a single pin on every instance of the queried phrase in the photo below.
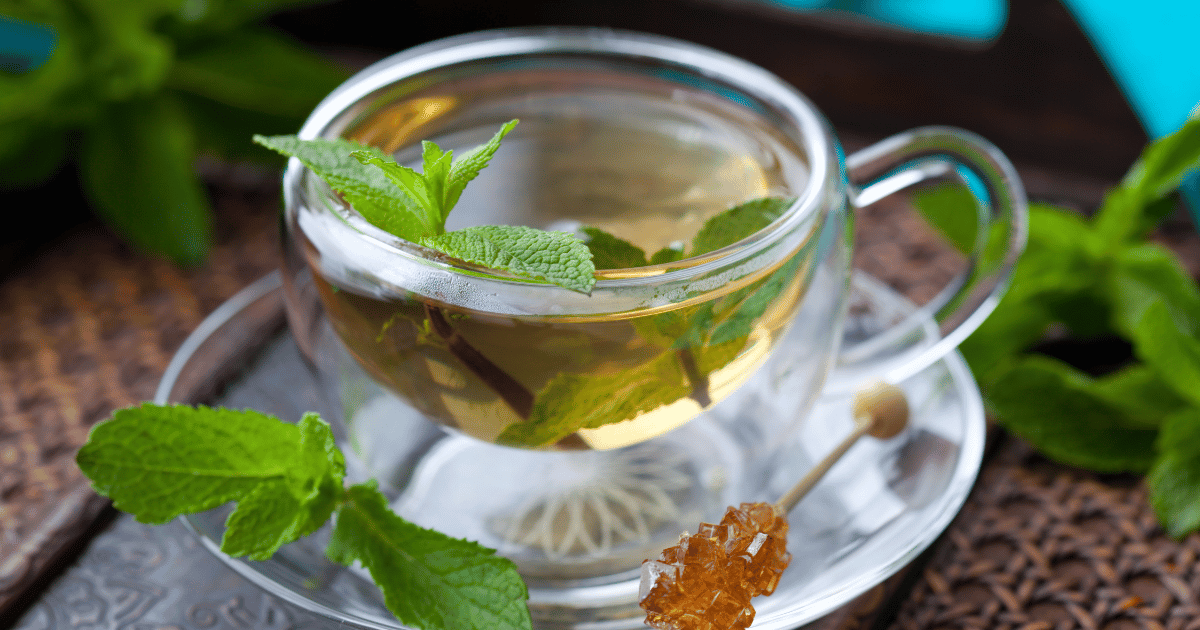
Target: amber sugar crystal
(706, 581)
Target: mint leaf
(435, 165)
(741, 322)
(1130, 211)
(468, 166)
(1139, 392)
(953, 211)
(667, 255)
(611, 252)
(556, 257)
(413, 184)
(570, 402)
(276, 514)
(228, 70)
(1050, 404)
(366, 188)
(1174, 480)
(159, 462)
(429, 580)
(1146, 274)
(1174, 354)
(738, 223)
(1055, 275)
(136, 166)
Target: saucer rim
(952, 498)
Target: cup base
(565, 517)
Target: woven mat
(90, 326)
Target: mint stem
(698, 380)
(512, 392)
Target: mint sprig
(415, 205)
(1100, 278)
(158, 462)
(694, 341)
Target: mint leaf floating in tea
(414, 206)
(428, 580)
(612, 252)
(555, 257)
(692, 342)
(158, 462)
(366, 188)
(707, 580)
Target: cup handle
(929, 332)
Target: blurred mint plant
(135, 89)
(1101, 278)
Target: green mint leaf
(1130, 210)
(366, 188)
(1146, 274)
(159, 462)
(667, 255)
(1174, 480)
(1166, 161)
(1051, 405)
(469, 164)
(1056, 271)
(228, 70)
(738, 223)
(740, 323)
(556, 257)
(429, 580)
(413, 184)
(1140, 393)
(611, 252)
(570, 402)
(436, 166)
(953, 211)
(136, 166)
(1171, 352)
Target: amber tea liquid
(649, 166)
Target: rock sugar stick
(706, 581)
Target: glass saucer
(873, 513)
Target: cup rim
(814, 135)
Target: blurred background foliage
(133, 91)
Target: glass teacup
(581, 433)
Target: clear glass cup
(581, 433)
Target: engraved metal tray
(872, 515)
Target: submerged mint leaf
(429, 580)
(1051, 405)
(1175, 479)
(365, 187)
(611, 252)
(570, 402)
(738, 223)
(556, 257)
(667, 255)
(740, 323)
